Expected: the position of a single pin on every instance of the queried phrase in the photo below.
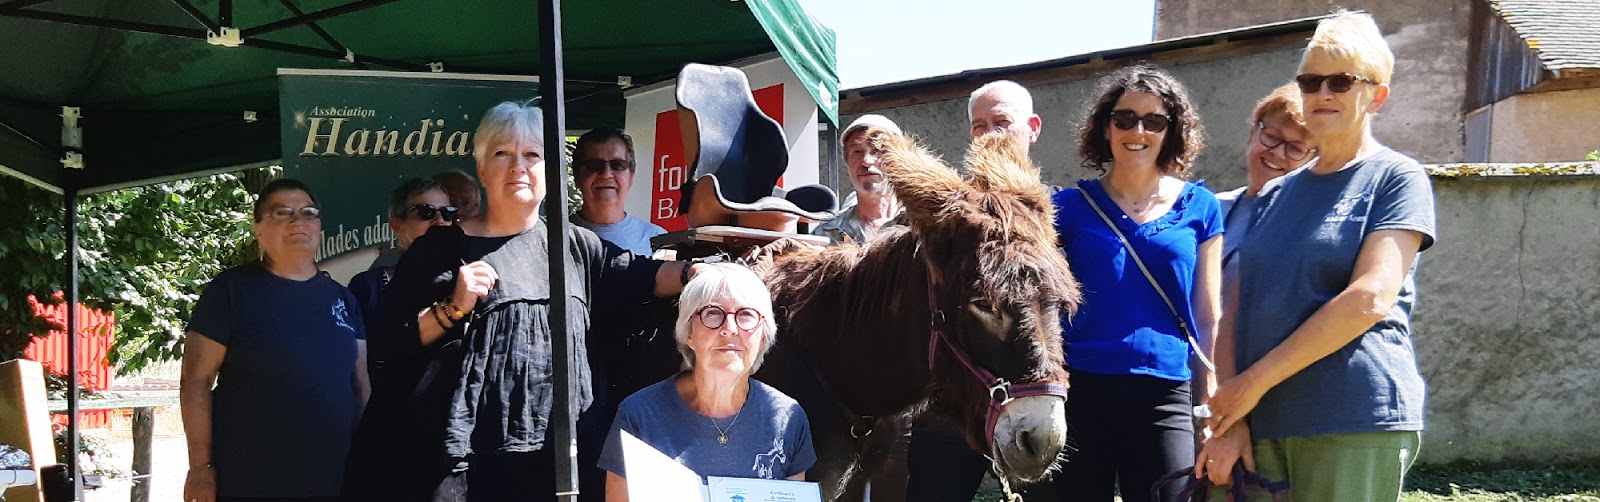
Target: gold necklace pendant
(722, 439)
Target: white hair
(522, 121)
(734, 282)
(1015, 94)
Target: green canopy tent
(106, 94)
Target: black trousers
(1126, 430)
(497, 477)
(941, 468)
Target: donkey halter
(1000, 390)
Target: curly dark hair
(1176, 155)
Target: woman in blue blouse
(1130, 413)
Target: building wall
(1428, 37)
(1224, 92)
(1545, 127)
(1506, 331)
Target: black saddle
(738, 154)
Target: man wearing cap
(872, 204)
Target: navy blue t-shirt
(1301, 254)
(285, 403)
(1123, 327)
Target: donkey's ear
(999, 162)
(921, 181)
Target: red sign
(670, 170)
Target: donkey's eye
(982, 304)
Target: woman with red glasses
(1146, 245)
(1278, 143)
(714, 418)
(1320, 380)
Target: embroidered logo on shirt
(767, 463)
(341, 315)
(1346, 208)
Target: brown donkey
(955, 314)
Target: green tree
(144, 252)
(1594, 155)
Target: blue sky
(892, 40)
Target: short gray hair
(509, 120)
(739, 284)
(1021, 98)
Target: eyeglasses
(281, 213)
(427, 212)
(1310, 83)
(1127, 120)
(1294, 150)
(712, 316)
(598, 165)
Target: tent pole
(552, 99)
(72, 343)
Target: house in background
(1533, 81)
(1475, 80)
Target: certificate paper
(719, 489)
(655, 477)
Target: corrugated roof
(1565, 33)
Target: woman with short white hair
(470, 303)
(713, 417)
(1327, 394)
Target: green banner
(355, 135)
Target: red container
(95, 332)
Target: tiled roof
(1565, 33)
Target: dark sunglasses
(712, 316)
(1127, 120)
(598, 165)
(1270, 139)
(427, 212)
(1310, 83)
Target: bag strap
(1182, 324)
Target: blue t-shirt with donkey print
(769, 439)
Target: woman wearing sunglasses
(283, 344)
(1146, 245)
(472, 303)
(1327, 393)
(415, 206)
(714, 418)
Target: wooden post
(144, 425)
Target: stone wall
(1507, 330)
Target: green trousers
(1354, 467)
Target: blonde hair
(737, 283)
(1353, 37)
(1283, 103)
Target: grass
(1469, 483)
(1474, 483)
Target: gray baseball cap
(870, 120)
